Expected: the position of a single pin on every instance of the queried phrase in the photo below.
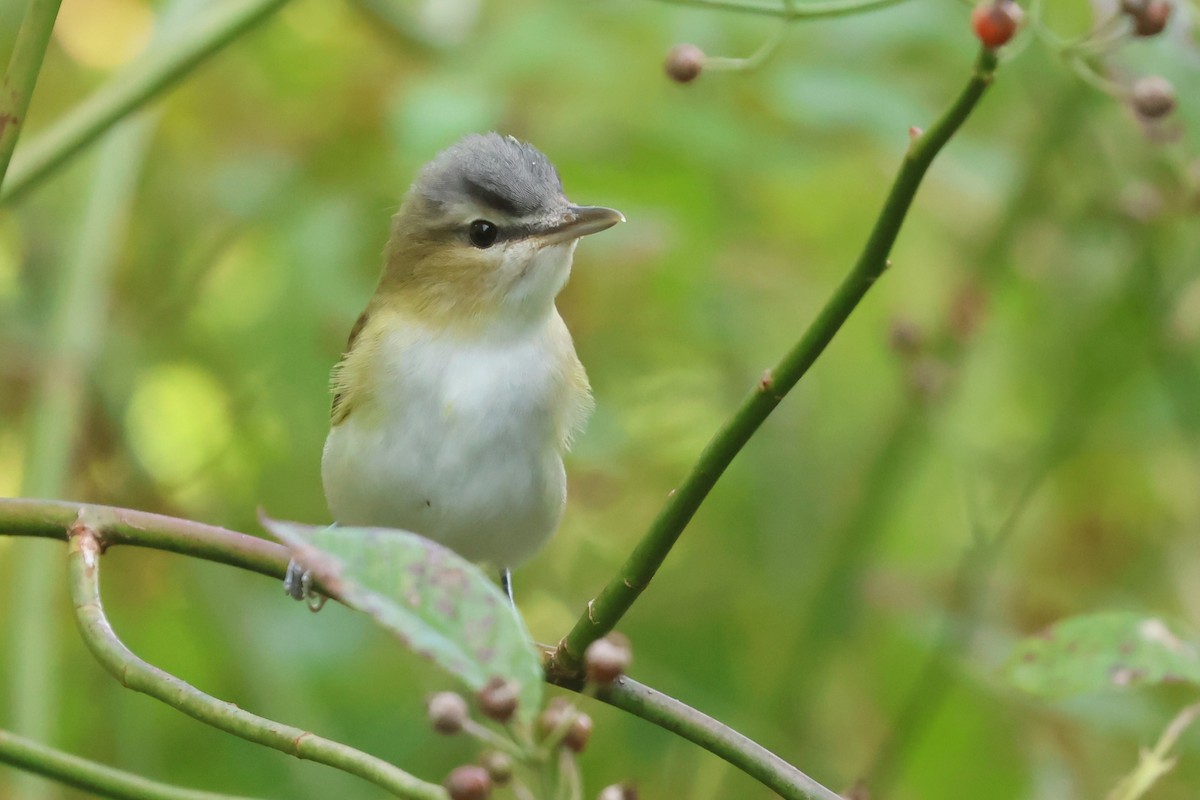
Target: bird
(459, 390)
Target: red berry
(995, 21)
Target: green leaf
(440, 605)
(1100, 652)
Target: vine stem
(715, 737)
(16, 89)
(83, 562)
(91, 777)
(606, 609)
(161, 68)
(790, 10)
(54, 519)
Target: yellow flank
(573, 412)
(351, 380)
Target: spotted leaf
(440, 605)
(1099, 652)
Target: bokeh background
(1026, 375)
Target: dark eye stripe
(505, 233)
(488, 197)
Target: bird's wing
(344, 387)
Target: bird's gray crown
(493, 171)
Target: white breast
(458, 441)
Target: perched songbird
(460, 389)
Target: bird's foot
(297, 584)
(506, 585)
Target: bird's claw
(506, 586)
(297, 584)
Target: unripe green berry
(498, 765)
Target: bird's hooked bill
(579, 221)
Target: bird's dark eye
(483, 233)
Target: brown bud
(618, 791)
(498, 765)
(553, 716)
(468, 782)
(1153, 97)
(1149, 16)
(607, 659)
(579, 733)
(498, 699)
(447, 712)
(684, 63)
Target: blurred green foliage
(1049, 268)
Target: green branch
(16, 89)
(54, 519)
(716, 737)
(68, 349)
(607, 608)
(83, 561)
(158, 70)
(89, 776)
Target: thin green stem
(715, 737)
(161, 68)
(607, 608)
(1154, 764)
(83, 561)
(93, 778)
(80, 306)
(752, 61)
(790, 11)
(971, 581)
(831, 609)
(110, 526)
(16, 89)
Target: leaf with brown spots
(1103, 652)
(440, 605)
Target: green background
(1050, 264)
